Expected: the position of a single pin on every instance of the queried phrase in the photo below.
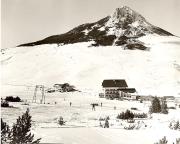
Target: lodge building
(117, 88)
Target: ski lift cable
(24, 85)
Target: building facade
(117, 89)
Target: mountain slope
(123, 27)
(149, 72)
(69, 57)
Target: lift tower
(36, 90)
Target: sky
(24, 21)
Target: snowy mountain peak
(126, 14)
(123, 27)
(70, 58)
(122, 12)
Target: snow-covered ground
(82, 124)
(154, 72)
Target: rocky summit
(122, 28)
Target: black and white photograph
(90, 72)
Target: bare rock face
(125, 16)
(123, 28)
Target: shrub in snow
(126, 115)
(130, 127)
(164, 108)
(165, 141)
(129, 115)
(13, 99)
(155, 106)
(178, 141)
(4, 104)
(135, 46)
(108, 118)
(175, 125)
(140, 115)
(20, 132)
(162, 141)
(106, 124)
(100, 124)
(61, 121)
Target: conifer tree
(5, 132)
(20, 132)
(164, 108)
(156, 106)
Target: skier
(70, 104)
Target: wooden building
(58, 87)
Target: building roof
(128, 90)
(114, 83)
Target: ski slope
(153, 72)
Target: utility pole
(42, 90)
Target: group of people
(94, 105)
